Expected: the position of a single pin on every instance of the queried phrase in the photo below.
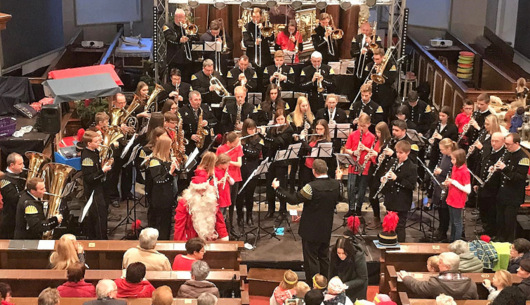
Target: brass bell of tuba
(111, 135)
(36, 164)
(152, 98)
(55, 176)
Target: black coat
(353, 273)
(357, 45)
(252, 151)
(398, 193)
(421, 114)
(232, 79)
(93, 181)
(450, 131)
(513, 179)
(175, 49)
(249, 40)
(340, 115)
(285, 85)
(383, 94)
(316, 99)
(491, 187)
(263, 117)
(229, 116)
(320, 198)
(10, 187)
(183, 90)
(320, 43)
(31, 221)
(275, 141)
(525, 288)
(190, 124)
(371, 108)
(201, 83)
(162, 184)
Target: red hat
(200, 181)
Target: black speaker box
(50, 118)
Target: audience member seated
(432, 263)
(198, 284)
(519, 249)
(134, 285)
(335, 294)
(500, 280)
(106, 291)
(206, 299)
(524, 273)
(194, 252)
(5, 294)
(49, 296)
(450, 281)
(314, 297)
(286, 289)
(349, 264)
(163, 295)
(301, 290)
(443, 299)
(145, 253)
(510, 296)
(469, 263)
(76, 287)
(484, 251)
(320, 282)
(67, 252)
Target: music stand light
(321, 4)
(345, 4)
(219, 4)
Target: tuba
(378, 76)
(36, 163)
(152, 98)
(111, 135)
(116, 115)
(127, 116)
(55, 176)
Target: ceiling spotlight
(219, 4)
(321, 4)
(345, 4)
(371, 3)
(296, 4)
(271, 3)
(246, 4)
(193, 3)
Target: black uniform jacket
(398, 193)
(201, 83)
(162, 185)
(232, 78)
(285, 85)
(183, 90)
(513, 179)
(320, 43)
(175, 49)
(228, 119)
(383, 94)
(491, 187)
(316, 99)
(190, 124)
(10, 187)
(421, 114)
(31, 221)
(249, 40)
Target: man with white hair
(197, 214)
(106, 291)
(469, 263)
(450, 281)
(145, 253)
(206, 299)
(317, 79)
(179, 44)
(198, 284)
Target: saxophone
(238, 115)
(201, 133)
(178, 146)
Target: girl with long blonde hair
(67, 252)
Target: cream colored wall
(468, 18)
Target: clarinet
(465, 129)
(490, 174)
(445, 189)
(382, 160)
(365, 162)
(429, 144)
(382, 185)
(357, 151)
(471, 148)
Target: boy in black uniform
(400, 183)
(368, 106)
(31, 220)
(279, 73)
(93, 179)
(10, 187)
(383, 94)
(322, 41)
(420, 113)
(511, 193)
(399, 133)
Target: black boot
(250, 221)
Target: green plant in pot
(86, 110)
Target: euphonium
(219, 88)
(126, 114)
(201, 133)
(116, 115)
(112, 135)
(55, 177)
(378, 76)
(152, 98)
(36, 163)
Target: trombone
(184, 30)
(336, 34)
(362, 58)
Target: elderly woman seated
(468, 262)
(145, 253)
(198, 284)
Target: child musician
(93, 179)
(459, 187)
(161, 170)
(223, 181)
(321, 136)
(359, 143)
(233, 149)
(252, 146)
(399, 183)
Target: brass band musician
(323, 41)
(253, 38)
(176, 90)
(279, 73)
(290, 40)
(193, 114)
(201, 81)
(235, 112)
(242, 75)
(216, 33)
(317, 79)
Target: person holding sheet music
(277, 138)
(317, 79)
(301, 120)
(290, 40)
(215, 33)
(279, 73)
(358, 146)
(242, 75)
(366, 105)
(252, 145)
(382, 134)
(235, 112)
(264, 112)
(321, 135)
(93, 181)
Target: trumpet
(277, 76)
(320, 86)
(219, 88)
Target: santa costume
(197, 214)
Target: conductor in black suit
(320, 198)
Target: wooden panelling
(437, 90)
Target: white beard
(203, 211)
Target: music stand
(226, 100)
(289, 57)
(288, 95)
(254, 98)
(433, 216)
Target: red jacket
(144, 289)
(80, 289)
(4, 302)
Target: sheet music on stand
(289, 57)
(206, 46)
(288, 154)
(323, 150)
(255, 98)
(299, 94)
(87, 207)
(191, 161)
(339, 131)
(346, 159)
(263, 168)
